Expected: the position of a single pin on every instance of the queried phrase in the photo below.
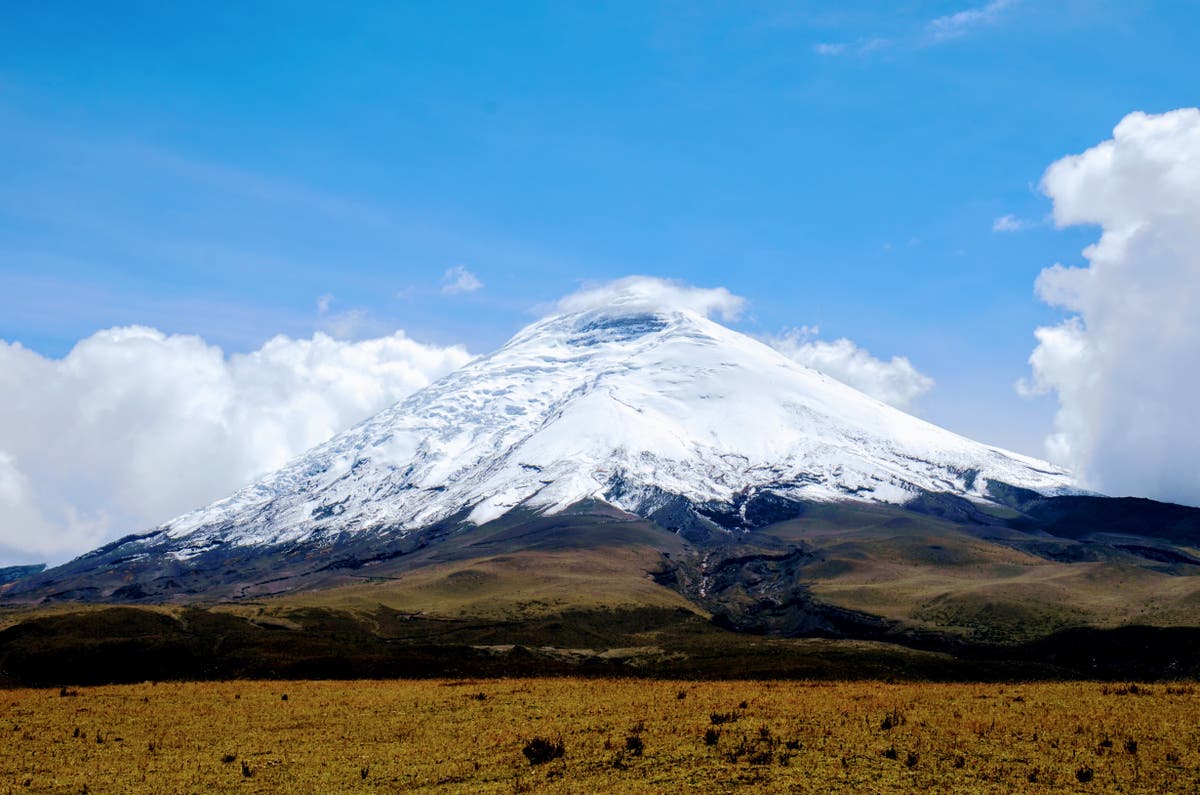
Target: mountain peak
(644, 405)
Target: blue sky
(218, 169)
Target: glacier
(623, 404)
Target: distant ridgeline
(13, 573)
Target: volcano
(661, 415)
(627, 456)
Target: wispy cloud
(459, 280)
(1010, 223)
(857, 47)
(828, 48)
(932, 32)
(954, 26)
(353, 323)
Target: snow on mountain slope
(623, 404)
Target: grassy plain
(616, 735)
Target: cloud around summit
(895, 382)
(651, 294)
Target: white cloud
(459, 280)
(830, 48)
(858, 47)
(1124, 365)
(348, 325)
(938, 30)
(133, 426)
(649, 294)
(1009, 223)
(895, 382)
(953, 26)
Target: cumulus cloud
(134, 426)
(895, 382)
(1124, 363)
(459, 280)
(953, 26)
(650, 294)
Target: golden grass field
(617, 736)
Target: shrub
(540, 750)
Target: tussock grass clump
(541, 750)
(892, 720)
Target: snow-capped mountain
(628, 405)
